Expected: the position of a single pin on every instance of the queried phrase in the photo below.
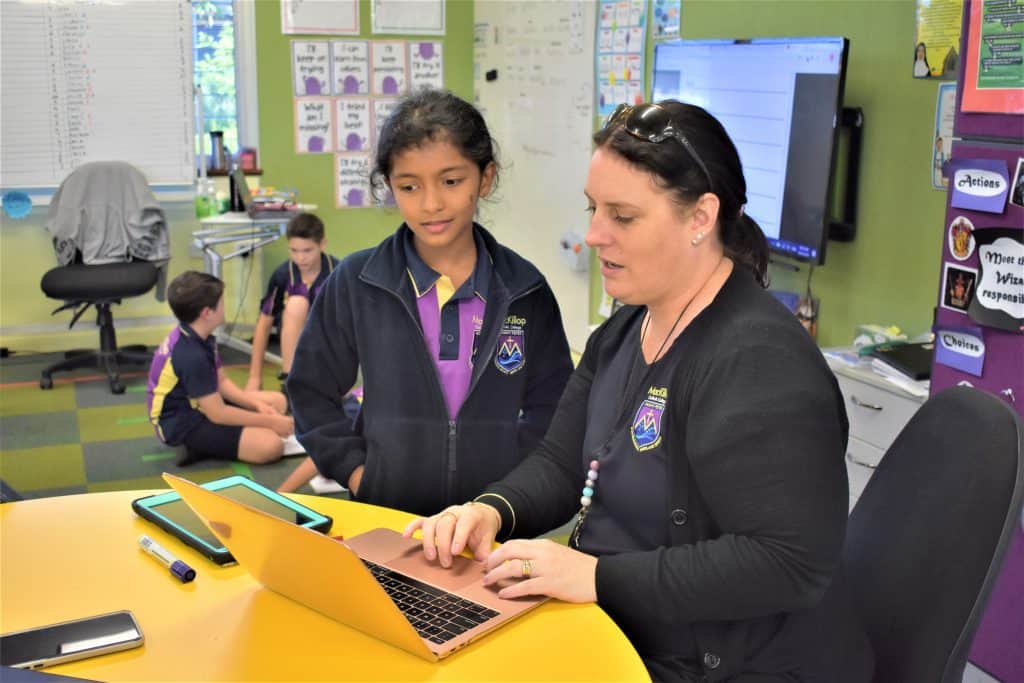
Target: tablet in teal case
(173, 515)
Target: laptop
(377, 583)
(255, 207)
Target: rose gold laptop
(377, 582)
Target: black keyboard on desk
(436, 615)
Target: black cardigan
(758, 509)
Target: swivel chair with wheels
(111, 241)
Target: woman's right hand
(473, 525)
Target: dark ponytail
(672, 167)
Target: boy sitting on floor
(230, 424)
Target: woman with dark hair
(458, 339)
(704, 426)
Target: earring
(696, 240)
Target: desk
(878, 410)
(74, 556)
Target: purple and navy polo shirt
(287, 281)
(185, 368)
(451, 319)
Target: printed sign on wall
(426, 65)
(352, 173)
(999, 301)
(313, 130)
(979, 184)
(962, 348)
(352, 121)
(311, 67)
(390, 69)
(350, 67)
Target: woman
(704, 425)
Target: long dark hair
(430, 115)
(676, 171)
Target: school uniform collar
(423, 277)
(188, 332)
(326, 268)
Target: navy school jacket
(416, 457)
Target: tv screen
(780, 100)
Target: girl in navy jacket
(458, 339)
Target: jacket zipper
(452, 424)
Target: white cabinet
(878, 411)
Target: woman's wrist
(494, 512)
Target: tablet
(173, 515)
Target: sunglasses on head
(653, 123)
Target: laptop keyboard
(436, 615)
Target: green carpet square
(157, 482)
(43, 468)
(127, 459)
(127, 421)
(38, 430)
(97, 394)
(24, 400)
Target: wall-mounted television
(780, 99)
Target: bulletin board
(534, 82)
(86, 81)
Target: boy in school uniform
(186, 373)
(290, 294)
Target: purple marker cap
(182, 571)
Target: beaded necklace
(590, 484)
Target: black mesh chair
(81, 286)
(927, 538)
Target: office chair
(927, 538)
(111, 239)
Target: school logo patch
(511, 356)
(646, 432)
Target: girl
(459, 340)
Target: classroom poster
(619, 56)
(420, 17)
(320, 16)
(937, 39)
(352, 180)
(994, 76)
(311, 67)
(350, 67)
(352, 121)
(314, 132)
(382, 108)
(390, 67)
(999, 301)
(426, 65)
(942, 135)
(666, 18)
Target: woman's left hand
(543, 568)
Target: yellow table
(74, 556)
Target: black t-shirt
(628, 437)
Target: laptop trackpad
(462, 573)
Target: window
(225, 68)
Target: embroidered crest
(511, 356)
(646, 432)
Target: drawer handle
(862, 463)
(864, 404)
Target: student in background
(230, 424)
(459, 340)
(703, 426)
(290, 293)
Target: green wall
(313, 174)
(889, 273)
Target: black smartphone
(70, 640)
